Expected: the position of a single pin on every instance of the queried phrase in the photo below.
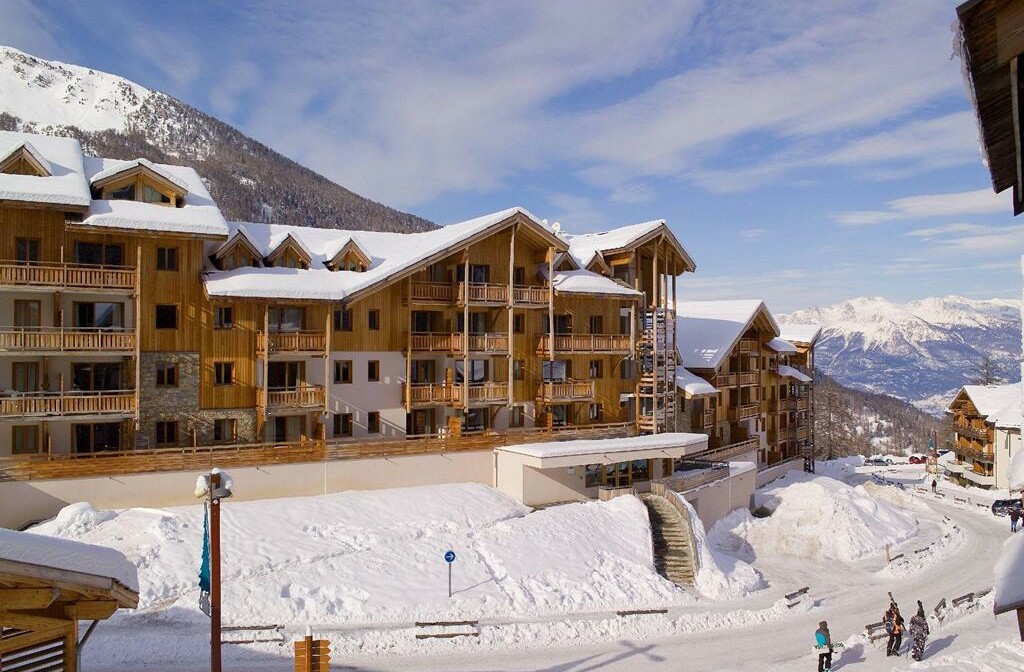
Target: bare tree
(987, 373)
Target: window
(24, 439)
(223, 373)
(286, 318)
(343, 424)
(26, 250)
(151, 195)
(373, 319)
(477, 273)
(596, 324)
(593, 475)
(423, 370)
(166, 316)
(596, 369)
(373, 371)
(519, 276)
(516, 416)
(563, 324)
(343, 371)
(97, 437)
(477, 371)
(476, 420)
(596, 413)
(27, 313)
(224, 430)
(125, 193)
(518, 369)
(166, 375)
(97, 376)
(99, 315)
(518, 324)
(166, 432)
(166, 258)
(343, 319)
(373, 422)
(99, 254)
(223, 317)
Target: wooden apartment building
(986, 426)
(137, 317)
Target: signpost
(449, 557)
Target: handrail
(67, 338)
(78, 276)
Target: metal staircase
(657, 361)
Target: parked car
(943, 451)
(878, 462)
(1001, 507)
(917, 459)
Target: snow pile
(989, 658)
(67, 555)
(839, 468)
(1016, 475)
(817, 517)
(377, 556)
(1009, 571)
(720, 576)
(73, 521)
(917, 560)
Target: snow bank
(839, 468)
(817, 517)
(73, 521)
(720, 576)
(1009, 575)
(997, 656)
(68, 555)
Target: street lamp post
(214, 487)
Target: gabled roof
(65, 188)
(393, 257)
(781, 345)
(290, 242)
(239, 237)
(707, 331)
(795, 374)
(350, 246)
(583, 247)
(597, 264)
(115, 170)
(800, 334)
(1000, 405)
(595, 284)
(693, 385)
(30, 154)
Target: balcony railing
(292, 341)
(783, 405)
(610, 343)
(609, 492)
(749, 378)
(429, 393)
(526, 296)
(708, 421)
(726, 453)
(972, 432)
(492, 342)
(748, 345)
(482, 393)
(724, 380)
(483, 292)
(432, 292)
(745, 411)
(61, 339)
(803, 403)
(979, 478)
(66, 276)
(684, 482)
(68, 402)
(301, 396)
(452, 342)
(974, 453)
(567, 390)
(803, 433)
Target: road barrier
(448, 629)
(640, 612)
(796, 597)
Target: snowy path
(847, 600)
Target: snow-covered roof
(588, 282)
(693, 385)
(1000, 404)
(796, 374)
(199, 215)
(781, 345)
(29, 149)
(800, 333)
(391, 254)
(708, 330)
(112, 168)
(583, 247)
(674, 444)
(63, 157)
(1009, 579)
(67, 555)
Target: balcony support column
(551, 304)
(465, 332)
(408, 350)
(136, 302)
(511, 307)
(654, 331)
(328, 333)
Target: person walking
(918, 632)
(935, 486)
(894, 626)
(823, 647)
(1014, 518)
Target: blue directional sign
(449, 557)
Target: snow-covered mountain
(921, 351)
(120, 119)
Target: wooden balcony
(483, 293)
(452, 342)
(68, 403)
(432, 292)
(973, 432)
(724, 380)
(978, 454)
(493, 342)
(748, 378)
(749, 345)
(291, 341)
(803, 433)
(67, 276)
(586, 343)
(60, 339)
(783, 405)
(708, 419)
(429, 393)
(526, 296)
(979, 477)
(725, 453)
(745, 411)
(566, 390)
(803, 403)
(299, 397)
(482, 393)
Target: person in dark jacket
(823, 640)
(935, 486)
(918, 632)
(1014, 518)
(894, 626)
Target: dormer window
(351, 257)
(289, 254)
(139, 180)
(24, 159)
(125, 193)
(238, 252)
(151, 195)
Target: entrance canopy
(555, 454)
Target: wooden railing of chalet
(682, 483)
(744, 411)
(68, 402)
(67, 276)
(970, 431)
(725, 453)
(568, 390)
(708, 418)
(486, 393)
(292, 341)
(803, 403)
(748, 378)
(783, 405)
(442, 292)
(426, 341)
(748, 345)
(614, 343)
(490, 342)
(483, 292)
(803, 433)
(974, 453)
(525, 295)
(301, 396)
(109, 463)
(66, 339)
(607, 493)
(429, 393)
(724, 380)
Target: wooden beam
(27, 598)
(29, 639)
(27, 621)
(96, 610)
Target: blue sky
(804, 152)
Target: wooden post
(214, 575)
(71, 639)
(551, 304)
(1020, 623)
(465, 332)
(408, 348)
(675, 347)
(266, 370)
(329, 336)
(654, 333)
(511, 308)
(135, 323)
(308, 641)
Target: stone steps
(670, 539)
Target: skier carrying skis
(894, 626)
(824, 647)
(1014, 518)
(918, 632)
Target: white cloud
(957, 227)
(981, 201)
(751, 235)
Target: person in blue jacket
(823, 640)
